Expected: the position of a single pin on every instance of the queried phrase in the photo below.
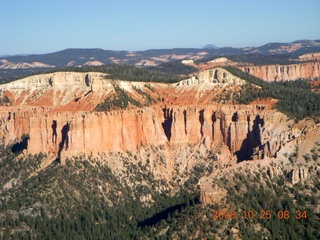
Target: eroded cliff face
(309, 70)
(184, 115)
(56, 111)
(241, 128)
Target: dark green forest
(256, 192)
(174, 67)
(256, 58)
(260, 59)
(115, 71)
(128, 73)
(85, 200)
(121, 100)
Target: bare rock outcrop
(310, 56)
(212, 76)
(298, 175)
(55, 80)
(210, 193)
(274, 170)
(4, 64)
(309, 70)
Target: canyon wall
(56, 111)
(241, 128)
(309, 70)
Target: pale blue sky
(43, 26)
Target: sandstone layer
(57, 112)
(290, 72)
(127, 130)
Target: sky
(44, 26)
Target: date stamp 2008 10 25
(263, 214)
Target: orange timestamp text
(263, 214)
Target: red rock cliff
(75, 133)
(285, 72)
(56, 111)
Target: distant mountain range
(9, 65)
